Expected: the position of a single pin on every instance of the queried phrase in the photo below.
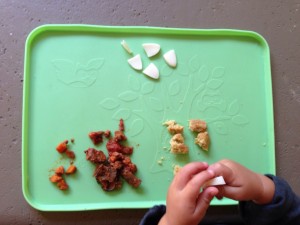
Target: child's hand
(243, 184)
(185, 203)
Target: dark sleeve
(153, 215)
(283, 210)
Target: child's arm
(185, 203)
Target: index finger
(187, 172)
(221, 169)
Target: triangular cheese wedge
(151, 71)
(170, 58)
(136, 62)
(151, 49)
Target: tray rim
(131, 30)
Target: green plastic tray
(77, 80)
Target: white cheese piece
(170, 58)
(136, 62)
(126, 46)
(215, 182)
(151, 71)
(151, 49)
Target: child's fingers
(222, 170)
(229, 192)
(193, 187)
(187, 172)
(204, 200)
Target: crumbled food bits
(126, 46)
(203, 140)
(151, 71)
(173, 127)
(136, 62)
(197, 125)
(177, 145)
(170, 58)
(159, 162)
(151, 49)
(176, 169)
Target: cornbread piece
(173, 127)
(197, 125)
(202, 140)
(177, 145)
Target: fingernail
(211, 172)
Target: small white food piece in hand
(136, 62)
(151, 49)
(215, 182)
(126, 47)
(151, 71)
(170, 58)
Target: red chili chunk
(62, 147)
(96, 137)
(106, 133)
(130, 178)
(55, 178)
(59, 170)
(70, 154)
(121, 125)
(95, 156)
(62, 185)
(71, 169)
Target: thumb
(230, 192)
(204, 200)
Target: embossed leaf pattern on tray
(75, 74)
(109, 103)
